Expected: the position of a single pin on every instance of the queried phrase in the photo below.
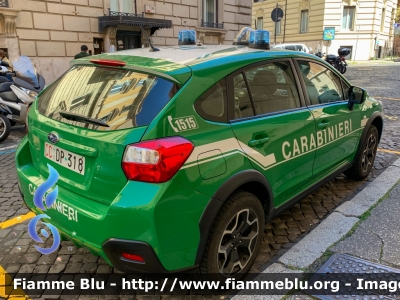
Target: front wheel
(5, 127)
(235, 238)
(365, 159)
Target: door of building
(98, 46)
(128, 40)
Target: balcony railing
(123, 14)
(3, 3)
(212, 25)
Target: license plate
(69, 160)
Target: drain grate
(353, 272)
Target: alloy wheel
(368, 155)
(238, 242)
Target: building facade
(364, 26)
(51, 32)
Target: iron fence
(3, 3)
(212, 25)
(123, 14)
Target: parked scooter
(17, 96)
(338, 62)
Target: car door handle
(323, 125)
(253, 143)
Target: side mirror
(356, 95)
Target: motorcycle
(17, 96)
(338, 62)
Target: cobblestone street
(18, 255)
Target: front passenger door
(337, 128)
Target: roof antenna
(152, 48)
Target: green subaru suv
(174, 160)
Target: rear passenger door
(273, 126)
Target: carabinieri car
(175, 159)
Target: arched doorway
(128, 40)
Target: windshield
(26, 71)
(119, 98)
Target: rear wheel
(5, 127)
(365, 159)
(339, 67)
(235, 238)
(344, 69)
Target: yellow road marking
(385, 98)
(16, 220)
(6, 288)
(389, 151)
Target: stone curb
(372, 193)
(309, 249)
(340, 222)
(332, 229)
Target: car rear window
(87, 96)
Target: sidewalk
(366, 227)
(374, 61)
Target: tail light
(157, 160)
(108, 62)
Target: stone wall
(51, 32)
(235, 14)
(329, 13)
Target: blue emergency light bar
(187, 37)
(259, 39)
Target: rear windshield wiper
(80, 118)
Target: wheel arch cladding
(376, 120)
(250, 181)
(378, 123)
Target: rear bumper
(160, 222)
(114, 247)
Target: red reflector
(157, 160)
(133, 257)
(108, 62)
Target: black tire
(229, 234)
(344, 69)
(5, 127)
(366, 156)
(338, 66)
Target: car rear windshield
(106, 99)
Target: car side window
(322, 85)
(273, 88)
(242, 101)
(212, 104)
(290, 48)
(346, 89)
